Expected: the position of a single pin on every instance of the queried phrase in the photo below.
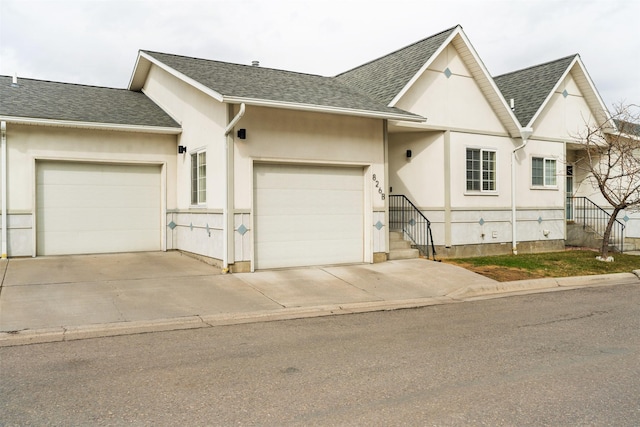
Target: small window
(481, 170)
(543, 172)
(199, 178)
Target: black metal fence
(593, 217)
(404, 216)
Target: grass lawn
(505, 268)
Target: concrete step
(396, 235)
(399, 244)
(404, 254)
(399, 248)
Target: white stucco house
(253, 168)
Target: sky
(96, 42)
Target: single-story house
(253, 168)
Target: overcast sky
(96, 42)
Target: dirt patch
(502, 274)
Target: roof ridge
(65, 83)
(398, 50)
(537, 65)
(232, 63)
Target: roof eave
(323, 109)
(92, 125)
(142, 69)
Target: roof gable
(46, 100)
(532, 86)
(384, 78)
(266, 86)
(390, 77)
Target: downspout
(3, 178)
(525, 133)
(227, 219)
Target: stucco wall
(277, 135)
(27, 144)
(203, 121)
(477, 218)
(452, 102)
(564, 117)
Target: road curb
(477, 291)
(73, 333)
(484, 289)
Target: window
(543, 172)
(481, 170)
(198, 178)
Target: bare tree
(611, 157)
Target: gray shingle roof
(628, 127)
(530, 87)
(245, 81)
(385, 77)
(40, 99)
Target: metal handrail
(592, 216)
(406, 217)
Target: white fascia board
(91, 125)
(139, 74)
(594, 91)
(188, 80)
(426, 65)
(322, 109)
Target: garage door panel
(310, 178)
(300, 201)
(309, 256)
(96, 208)
(308, 215)
(310, 224)
(84, 241)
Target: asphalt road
(557, 358)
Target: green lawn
(552, 264)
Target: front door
(569, 193)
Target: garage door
(97, 208)
(307, 215)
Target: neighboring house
(87, 170)
(252, 168)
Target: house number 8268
(375, 179)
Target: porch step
(399, 248)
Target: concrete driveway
(72, 297)
(72, 291)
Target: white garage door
(87, 208)
(307, 215)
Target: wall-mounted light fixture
(408, 154)
(242, 134)
(182, 149)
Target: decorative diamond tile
(412, 222)
(481, 222)
(172, 225)
(378, 225)
(242, 229)
(565, 93)
(626, 218)
(539, 220)
(447, 72)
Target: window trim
(481, 190)
(198, 195)
(544, 185)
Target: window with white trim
(199, 178)
(481, 170)
(543, 172)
